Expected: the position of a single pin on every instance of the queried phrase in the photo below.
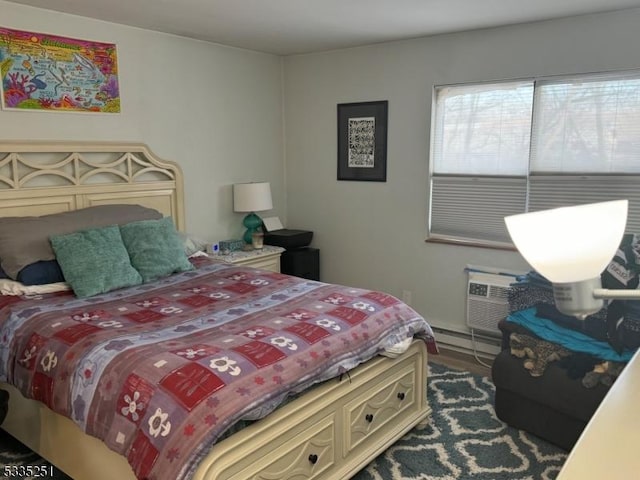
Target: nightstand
(301, 262)
(267, 258)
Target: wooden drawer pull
(401, 396)
(313, 458)
(369, 417)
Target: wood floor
(462, 361)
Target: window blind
(587, 125)
(552, 191)
(472, 208)
(512, 147)
(483, 129)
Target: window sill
(469, 242)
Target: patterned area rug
(465, 439)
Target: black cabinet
(301, 262)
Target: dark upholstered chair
(553, 406)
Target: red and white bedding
(159, 371)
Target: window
(512, 147)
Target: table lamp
(251, 197)
(570, 247)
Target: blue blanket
(570, 339)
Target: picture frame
(362, 141)
(42, 72)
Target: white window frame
(506, 195)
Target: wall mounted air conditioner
(487, 300)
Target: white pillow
(191, 244)
(11, 287)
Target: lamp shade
(252, 197)
(570, 244)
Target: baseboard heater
(485, 345)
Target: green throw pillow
(94, 261)
(155, 248)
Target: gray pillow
(25, 240)
(155, 248)
(95, 261)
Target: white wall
(372, 234)
(215, 110)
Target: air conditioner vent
(498, 292)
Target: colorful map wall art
(48, 72)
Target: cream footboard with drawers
(329, 432)
(335, 429)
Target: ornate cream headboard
(37, 178)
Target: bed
(330, 429)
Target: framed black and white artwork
(362, 141)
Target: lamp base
(577, 298)
(251, 222)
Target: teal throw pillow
(94, 261)
(155, 248)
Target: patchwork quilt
(159, 371)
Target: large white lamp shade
(571, 246)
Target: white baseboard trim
(485, 346)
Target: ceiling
(287, 27)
